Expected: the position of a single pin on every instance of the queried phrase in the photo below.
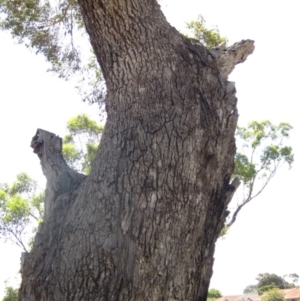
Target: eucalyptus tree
(143, 224)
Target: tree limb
(60, 177)
(227, 58)
(249, 198)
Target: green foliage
(36, 202)
(55, 29)
(20, 204)
(71, 154)
(82, 124)
(266, 288)
(261, 151)
(11, 294)
(273, 295)
(213, 294)
(293, 277)
(16, 208)
(39, 24)
(89, 156)
(267, 282)
(224, 232)
(209, 37)
(244, 168)
(49, 27)
(81, 144)
(250, 289)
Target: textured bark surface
(143, 224)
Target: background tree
(211, 38)
(267, 282)
(293, 277)
(81, 143)
(20, 205)
(40, 25)
(266, 288)
(250, 289)
(213, 294)
(11, 294)
(267, 279)
(273, 295)
(262, 150)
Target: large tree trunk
(143, 224)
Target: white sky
(265, 235)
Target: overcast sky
(266, 234)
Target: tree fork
(143, 224)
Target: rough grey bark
(143, 224)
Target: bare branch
(229, 57)
(60, 177)
(250, 197)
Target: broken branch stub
(60, 177)
(228, 58)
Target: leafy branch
(55, 29)
(20, 204)
(262, 153)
